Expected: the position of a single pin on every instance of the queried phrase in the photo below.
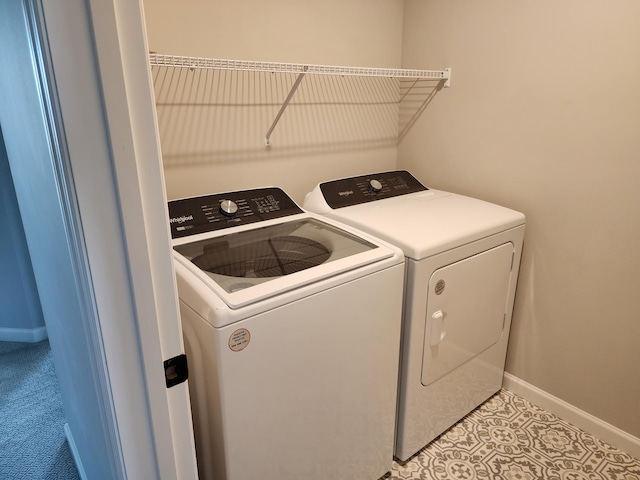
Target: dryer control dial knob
(375, 185)
(228, 207)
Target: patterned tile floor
(509, 438)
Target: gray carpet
(32, 440)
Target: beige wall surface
(333, 32)
(543, 116)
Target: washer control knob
(375, 185)
(228, 207)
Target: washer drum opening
(273, 257)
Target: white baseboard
(25, 335)
(74, 451)
(579, 418)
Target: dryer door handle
(437, 327)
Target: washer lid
(246, 266)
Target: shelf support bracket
(447, 77)
(296, 84)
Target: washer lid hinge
(176, 370)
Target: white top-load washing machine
(463, 256)
(292, 331)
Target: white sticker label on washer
(239, 339)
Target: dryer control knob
(228, 207)
(375, 185)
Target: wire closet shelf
(408, 81)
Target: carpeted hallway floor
(32, 440)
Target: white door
(76, 110)
(466, 310)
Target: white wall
(334, 32)
(544, 117)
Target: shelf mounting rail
(193, 63)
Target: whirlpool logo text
(182, 219)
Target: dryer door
(466, 308)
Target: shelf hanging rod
(221, 64)
(192, 63)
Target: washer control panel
(190, 216)
(368, 188)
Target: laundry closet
(508, 133)
(541, 117)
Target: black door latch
(176, 370)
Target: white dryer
(462, 261)
(293, 363)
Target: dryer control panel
(190, 216)
(368, 188)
